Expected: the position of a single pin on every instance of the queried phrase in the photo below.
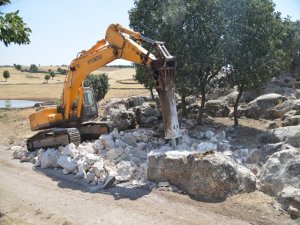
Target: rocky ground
(211, 163)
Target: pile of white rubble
(119, 154)
(122, 155)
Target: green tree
(6, 74)
(291, 44)
(99, 83)
(47, 77)
(33, 68)
(12, 27)
(61, 71)
(253, 37)
(144, 76)
(18, 67)
(52, 74)
(193, 32)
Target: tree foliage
(253, 44)
(99, 83)
(291, 44)
(144, 76)
(18, 67)
(47, 77)
(192, 30)
(6, 74)
(61, 71)
(246, 36)
(52, 74)
(12, 27)
(33, 68)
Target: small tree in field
(6, 75)
(33, 68)
(52, 74)
(18, 67)
(99, 83)
(47, 77)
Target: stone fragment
(115, 153)
(69, 150)
(206, 146)
(90, 177)
(98, 168)
(125, 171)
(163, 184)
(109, 181)
(98, 145)
(91, 159)
(67, 163)
(115, 134)
(289, 196)
(49, 158)
(129, 139)
(294, 213)
(107, 140)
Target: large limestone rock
(146, 116)
(123, 119)
(210, 175)
(282, 169)
(263, 107)
(114, 104)
(289, 195)
(217, 108)
(134, 101)
(280, 177)
(289, 135)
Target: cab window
(88, 98)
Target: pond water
(6, 104)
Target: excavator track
(53, 138)
(93, 130)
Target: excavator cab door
(89, 105)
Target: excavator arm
(115, 46)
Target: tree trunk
(201, 112)
(183, 105)
(236, 104)
(152, 95)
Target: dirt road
(30, 196)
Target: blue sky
(60, 29)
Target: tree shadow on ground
(247, 134)
(118, 192)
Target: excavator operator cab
(89, 105)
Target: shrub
(33, 68)
(6, 74)
(47, 77)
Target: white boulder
(49, 158)
(125, 171)
(67, 163)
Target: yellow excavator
(71, 120)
